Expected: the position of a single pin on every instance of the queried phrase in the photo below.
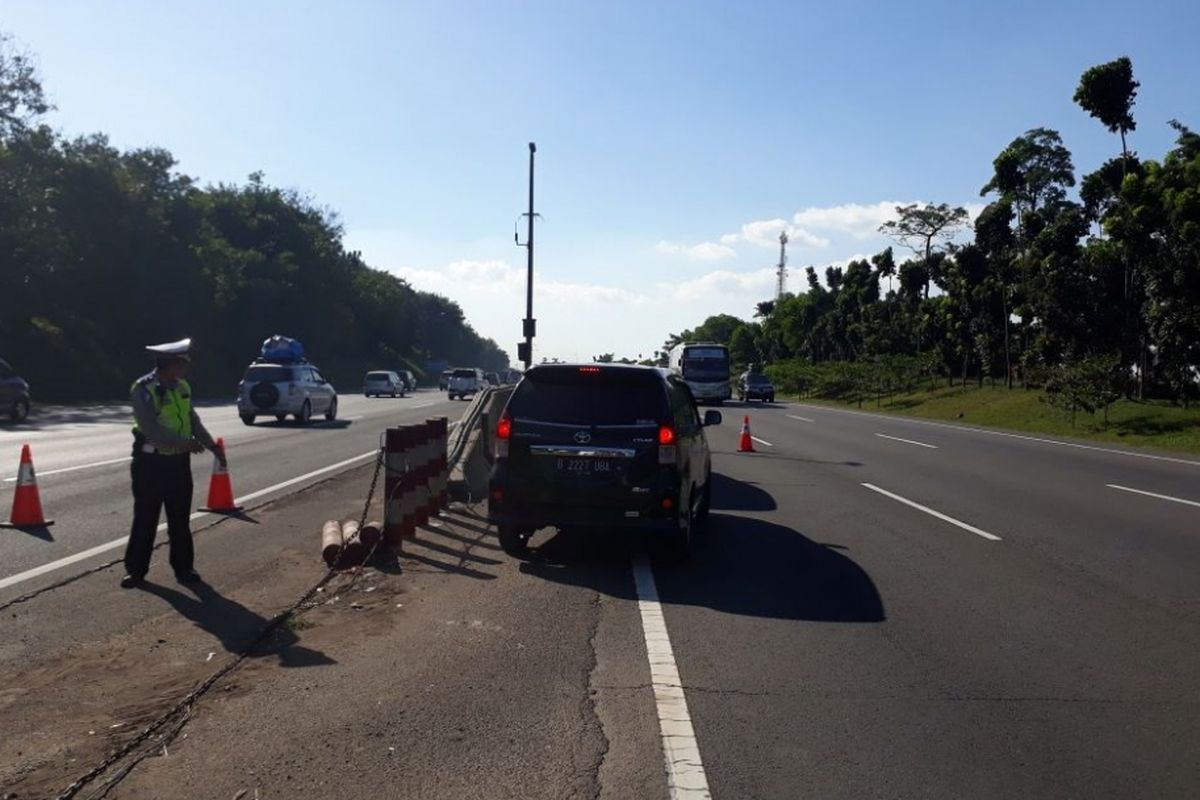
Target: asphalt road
(880, 608)
(81, 456)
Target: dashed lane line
(1154, 494)
(931, 512)
(907, 441)
(763, 442)
(681, 752)
(802, 419)
(42, 474)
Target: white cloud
(765, 233)
(720, 283)
(856, 219)
(705, 251)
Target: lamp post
(529, 324)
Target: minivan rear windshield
(574, 397)
(270, 374)
(464, 373)
(379, 376)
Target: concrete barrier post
(393, 512)
(420, 470)
(408, 483)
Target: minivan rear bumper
(533, 518)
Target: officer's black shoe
(190, 576)
(131, 581)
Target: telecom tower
(781, 273)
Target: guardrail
(467, 424)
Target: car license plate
(584, 466)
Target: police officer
(166, 432)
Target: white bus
(704, 367)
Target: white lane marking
(932, 513)
(762, 441)
(802, 419)
(21, 577)
(681, 752)
(970, 429)
(421, 405)
(1154, 494)
(907, 441)
(42, 474)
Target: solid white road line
(762, 441)
(681, 752)
(42, 474)
(1154, 494)
(932, 513)
(802, 419)
(906, 441)
(970, 429)
(21, 577)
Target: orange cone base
(8, 523)
(229, 510)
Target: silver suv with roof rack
(281, 389)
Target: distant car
(755, 386)
(272, 389)
(379, 382)
(492, 378)
(465, 381)
(410, 380)
(14, 393)
(444, 380)
(600, 446)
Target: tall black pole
(529, 321)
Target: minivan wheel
(247, 419)
(19, 410)
(705, 501)
(680, 541)
(331, 414)
(512, 540)
(304, 415)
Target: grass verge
(1143, 424)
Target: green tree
(926, 229)
(1107, 92)
(22, 100)
(742, 349)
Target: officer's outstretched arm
(201, 433)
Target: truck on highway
(704, 367)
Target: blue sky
(674, 139)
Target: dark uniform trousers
(158, 481)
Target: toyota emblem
(583, 437)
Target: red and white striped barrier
(416, 478)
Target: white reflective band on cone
(25, 476)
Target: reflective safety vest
(174, 406)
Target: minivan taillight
(667, 450)
(503, 434)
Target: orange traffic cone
(220, 487)
(27, 504)
(746, 445)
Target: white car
(380, 382)
(465, 381)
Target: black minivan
(600, 446)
